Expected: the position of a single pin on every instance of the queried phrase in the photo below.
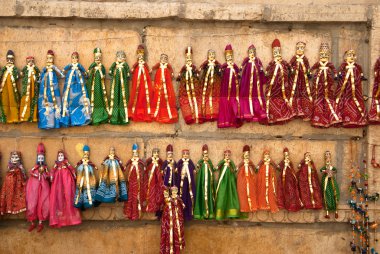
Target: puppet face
(30, 61)
(120, 56)
(112, 150)
(246, 155)
(164, 59)
(98, 58)
(40, 159)
(286, 155)
(252, 53)
(211, 55)
(140, 56)
(300, 49)
(135, 153)
(74, 58)
(267, 157)
(324, 56)
(49, 59)
(277, 54)
(229, 57)
(155, 153)
(185, 154)
(189, 61)
(61, 157)
(169, 155)
(328, 157)
(350, 56)
(10, 60)
(15, 158)
(86, 155)
(227, 155)
(307, 157)
(205, 155)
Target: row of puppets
(215, 92)
(56, 194)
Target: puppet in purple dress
(169, 167)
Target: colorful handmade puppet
(229, 105)
(12, 196)
(49, 99)
(10, 98)
(185, 182)
(349, 94)
(169, 168)
(309, 185)
(374, 112)
(330, 187)
(153, 182)
(278, 88)
(324, 113)
(246, 183)
(266, 184)
(86, 181)
(38, 191)
(288, 196)
(252, 98)
(205, 198)
(62, 211)
(226, 197)
(140, 102)
(112, 185)
(190, 91)
(29, 91)
(210, 80)
(96, 89)
(135, 169)
(76, 108)
(164, 100)
(119, 90)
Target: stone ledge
(187, 11)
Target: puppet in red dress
(278, 88)
(164, 101)
(140, 100)
(374, 112)
(153, 181)
(349, 94)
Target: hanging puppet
(324, 113)
(278, 88)
(300, 98)
(246, 183)
(10, 98)
(349, 94)
(229, 106)
(12, 196)
(135, 169)
(374, 112)
(76, 109)
(205, 198)
(96, 89)
(226, 197)
(62, 210)
(190, 91)
(309, 185)
(288, 196)
(210, 80)
(38, 191)
(140, 103)
(164, 100)
(330, 187)
(112, 185)
(153, 182)
(266, 184)
(119, 90)
(169, 168)
(49, 99)
(29, 91)
(251, 89)
(86, 181)
(185, 182)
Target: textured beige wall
(33, 27)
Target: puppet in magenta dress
(278, 88)
(62, 193)
(229, 103)
(153, 182)
(374, 112)
(300, 98)
(251, 88)
(38, 191)
(324, 113)
(349, 93)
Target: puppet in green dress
(120, 75)
(204, 200)
(226, 201)
(97, 89)
(330, 187)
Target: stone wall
(33, 27)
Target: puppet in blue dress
(49, 98)
(76, 108)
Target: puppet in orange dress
(266, 184)
(164, 100)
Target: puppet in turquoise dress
(76, 109)
(49, 99)
(112, 184)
